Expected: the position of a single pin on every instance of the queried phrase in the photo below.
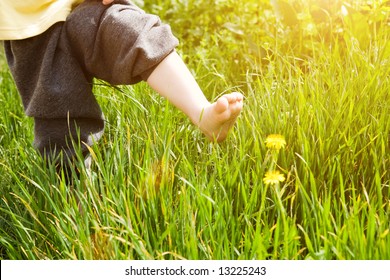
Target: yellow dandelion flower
(273, 177)
(275, 142)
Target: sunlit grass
(158, 190)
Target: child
(53, 62)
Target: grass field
(315, 72)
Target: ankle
(197, 114)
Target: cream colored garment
(21, 19)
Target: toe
(239, 96)
(230, 97)
(236, 107)
(235, 97)
(222, 104)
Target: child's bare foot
(218, 117)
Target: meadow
(315, 76)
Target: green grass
(159, 190)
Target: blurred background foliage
(246, 36)
(252, 33)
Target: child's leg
(122, 44)
(57, 93)
(172, 79)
